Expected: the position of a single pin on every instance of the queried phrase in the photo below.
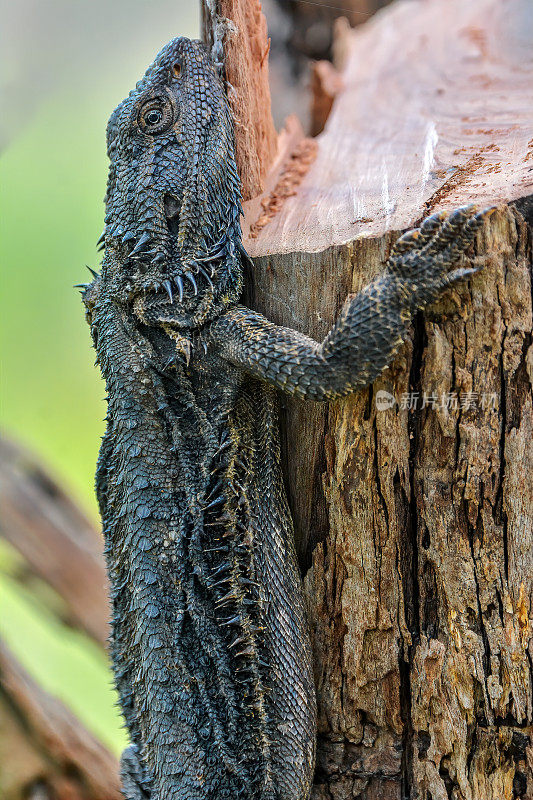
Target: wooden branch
(58, 543)
(45, 752)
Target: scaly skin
(210, 644)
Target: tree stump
(413, 500)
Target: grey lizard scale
(210, 644)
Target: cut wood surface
(435, 110)
(45, 753)
(58, 543)
(414, 519)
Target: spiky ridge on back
(176, 491)
(210, 647)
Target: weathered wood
(421, 624)
(58, 543)
(436, 108)
(243, 29)
(414, 525)
(45, 753)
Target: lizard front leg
(371, 326)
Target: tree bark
(413, 500)
(240, 28)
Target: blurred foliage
(65, 662)
(53, 174)
(52, 179)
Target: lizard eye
(177, 69)
(155, 116)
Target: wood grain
(246, 47)
(435, 110)
(414, 525)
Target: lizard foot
(422, 258)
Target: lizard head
(173, 193)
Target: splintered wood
(292, 174)
(246, 49)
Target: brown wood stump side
(242, 27)
(414, 517)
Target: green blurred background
(64, 67)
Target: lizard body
(210, 645)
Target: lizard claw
(422, 257)
(168, 288)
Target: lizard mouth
(165, 276)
